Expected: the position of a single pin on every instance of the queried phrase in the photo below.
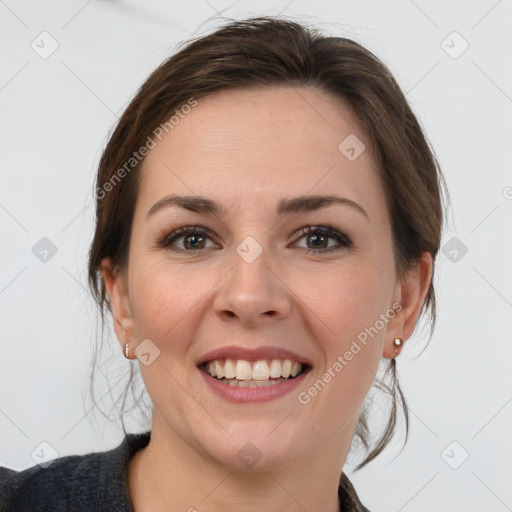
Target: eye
(319, 236)
(193, 239)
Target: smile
(243, 373)
(242, 381)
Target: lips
(252, 354)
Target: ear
(117, 287)
(410, 292)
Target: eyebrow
(286, 206)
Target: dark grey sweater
(95, 482)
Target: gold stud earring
(397, 342)
(127, 351)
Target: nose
(254, 290)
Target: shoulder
(94, 481)
(57, 485)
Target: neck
(171, 475)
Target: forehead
(260, 143)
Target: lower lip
(253, 395)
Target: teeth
(253, 383)
(229, 369)
(275, 369)
(245, 371)
(287, 367)
(260, 371)
(219, 371)
(295, 370)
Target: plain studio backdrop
(69, 69)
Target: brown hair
(259, 52)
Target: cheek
(348, 300)
(350, 333)
(351, 305)
(166, 300)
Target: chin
(255, 453)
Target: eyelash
(321, 229)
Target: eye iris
(196, 237)
(317, 237)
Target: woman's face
(251, 276)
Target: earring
(127, 346)
(397, 342)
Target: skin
(248, 149)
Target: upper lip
(252, 354)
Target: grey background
(56, 113)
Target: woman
(268, 218)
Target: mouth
(253, 374)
